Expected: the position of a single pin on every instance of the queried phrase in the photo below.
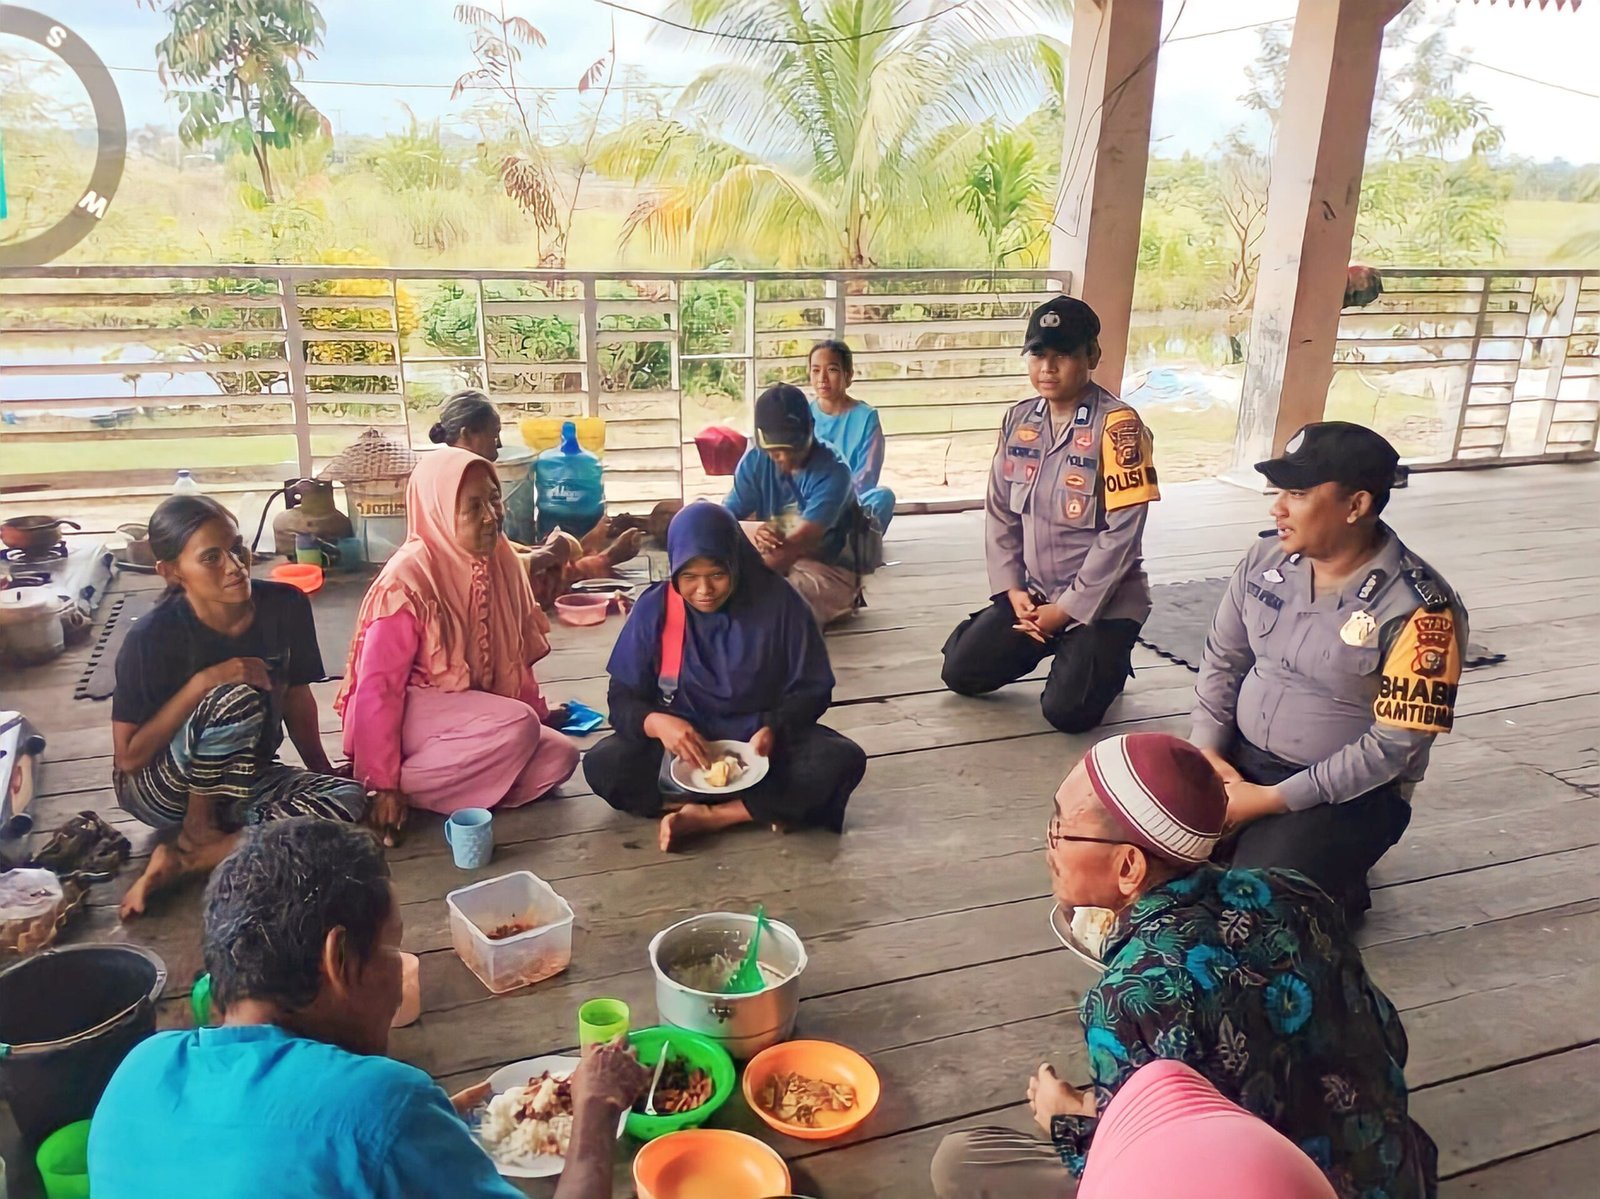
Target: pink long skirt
(471, 749)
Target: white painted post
(750, 353)
(1111, 83)
(294, 344)
(1558, 333)
(590, 335)
(834, 288)
(1311, 219)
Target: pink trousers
(471, 749)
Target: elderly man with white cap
(1248, 976)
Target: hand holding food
(679, 737)
(767, 539)
(610, 1075)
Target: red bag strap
(671, 644)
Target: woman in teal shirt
(295, 1095)
(850, 426)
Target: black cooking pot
(34, 534)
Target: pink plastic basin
(582, 609)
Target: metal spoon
(661, 1064)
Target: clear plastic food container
(523, 901)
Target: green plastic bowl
(700, 1052)
(63, 1161)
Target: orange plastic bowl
(299, 574)
(709, 1163)
(826, 1062)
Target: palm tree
(820, 152)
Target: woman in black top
(206, 684)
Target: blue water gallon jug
(571, 486)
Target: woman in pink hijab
(441, 710)
(1168, 1133)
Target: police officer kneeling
(1330, 667)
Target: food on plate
(724, 770)
(1091, 927)
(682, 1089)
(511, 928)
(797, 1099)
(526, 1122)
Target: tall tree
(527, 169)
(833, 124)
(242, 60)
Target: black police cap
(1065, 324)
(1334, 451)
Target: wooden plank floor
(926, 921)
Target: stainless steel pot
(743, 1024)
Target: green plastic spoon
(747, 978)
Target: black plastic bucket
(67, 1019)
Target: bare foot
(697, 819)
(595, 538)
(163, 872)
(170, 864)
(624, 547)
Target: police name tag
(1358, 629)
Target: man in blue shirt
(811, 529)
(294, 1095)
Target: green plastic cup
(63, 1161)
(601, 1021)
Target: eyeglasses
(1054, 836)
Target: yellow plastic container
(540, 433)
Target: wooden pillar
(1111, 83)
(1311, 219)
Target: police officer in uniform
(1069, 492)
(1331, 666)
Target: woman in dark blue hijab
(753, 668)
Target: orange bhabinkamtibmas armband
(1421, 675)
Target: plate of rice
(527, 1126)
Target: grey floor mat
(1180, 618)
(99, 678)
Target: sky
(417, 44)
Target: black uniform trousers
(1091, 663)
(809, 781)
(1332, 844)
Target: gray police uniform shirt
(1066, 507)
(1353, 686)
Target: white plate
(545, 1165)
(692, 778)
(1061, 925)
(602, 585)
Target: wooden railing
(1476, 367)
(112, 378)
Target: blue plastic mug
(470, 833)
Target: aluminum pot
(744, 1025)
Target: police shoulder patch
(1127, 452)
(1421, 674)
